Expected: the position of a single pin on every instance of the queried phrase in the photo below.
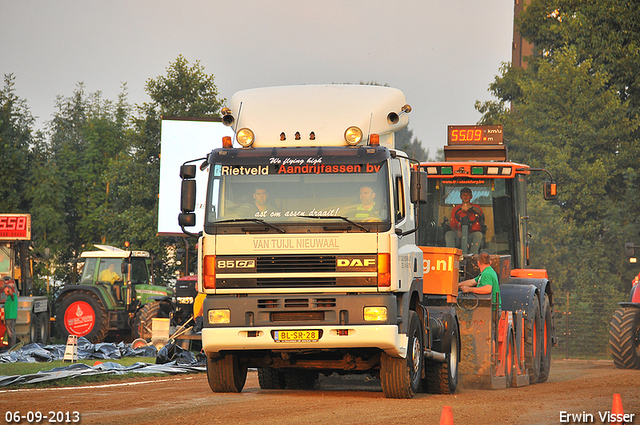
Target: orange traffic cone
(447, 416)
(616, 410)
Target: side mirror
(187, 219)
(188, 196)
(187, 172)
(418, 187)
(549, 190)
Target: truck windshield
(299, 191)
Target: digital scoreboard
(474, 135)
(15, 226)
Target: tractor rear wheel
(442, 378)
(226, 374)
(81, 313)
(143, 320)
(533, 343)
(271, 379)
(624, 338)
(545, 365)
(400, 378)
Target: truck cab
(307, 255)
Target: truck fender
(410, 301)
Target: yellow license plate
(296, 336)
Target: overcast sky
(442, 54)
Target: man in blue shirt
(485, 283)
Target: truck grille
(269, 303)
(296, 263)
(298, 316)
(294, 281)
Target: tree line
(92, 175)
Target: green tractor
(115, 293)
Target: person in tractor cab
(109, 275)
(466, 214)
(485, 283)
(10, 309)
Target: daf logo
(356, 262)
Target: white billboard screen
(184, 140)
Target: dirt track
(573, 386)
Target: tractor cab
(477, 199)
(121, 273)
(475, 208)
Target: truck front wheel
(624, 338)
(400, 378)
(226, 374)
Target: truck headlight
(219, 317)
(375, 314)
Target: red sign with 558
(15, 226)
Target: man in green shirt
(10, 309)
(485, 283)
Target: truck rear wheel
(624, 338)
(143, 321)
(442, 378)
(400, 378)
(547, 318)
(533, 343)
(298, 379)
(81, 313)
(226, 374)
(271, 379)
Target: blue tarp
(170, 359)
(36, 352)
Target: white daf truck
(308, 256)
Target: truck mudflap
(492, 355)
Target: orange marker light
(209, 272)
(384, 270)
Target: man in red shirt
(466, 214)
